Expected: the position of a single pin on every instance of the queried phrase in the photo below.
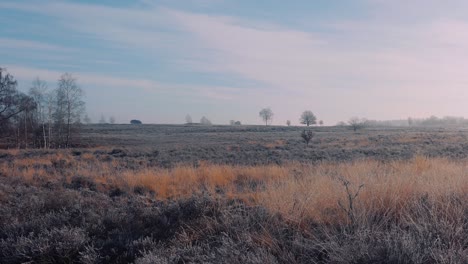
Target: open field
(166, 145)
(174, 194)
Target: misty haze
(222, 131)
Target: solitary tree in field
(288, 122)
(321, 122)
(308, 118)
(135, 122)
(357, 123)
(112, 120)
(267, 115)
(307, 136)
(188, 119)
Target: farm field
(249, 194)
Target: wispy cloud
(30, 45)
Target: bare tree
(188, 119)
(205, 121)
(307, 136)
(308, 118)
(112, 120)
(321, 122)
(357, 123)
(70, 105)
(15, 109)
(50, 109)
(39, 93)
(10, 98)
(288, 122)
(267, 115)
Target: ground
(251, 145)
(238, 194)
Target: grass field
(175, 194)
(167, 145)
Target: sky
(158, 61)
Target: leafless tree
(321, 122)
(288, 122)
(308, 118)
(15, 110)
(267, 115)
(70, 107)
(39, 93)
(357, 123)
(112, 120)
(10, 98)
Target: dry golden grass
(296, 191)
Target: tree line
(42, 117)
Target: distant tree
(308, 118)
(135, 122)
(112, 120)
(232, 122)
(307, 136)
(238, 123)
(87, 119)
(357, 123)
(205, 121)
(188, 119)
(267, 115)
(102, 120)
(321, 122)
(288, 122)
(341, 124)
(410, 121)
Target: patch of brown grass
(298, 192)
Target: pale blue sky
(160, 60)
